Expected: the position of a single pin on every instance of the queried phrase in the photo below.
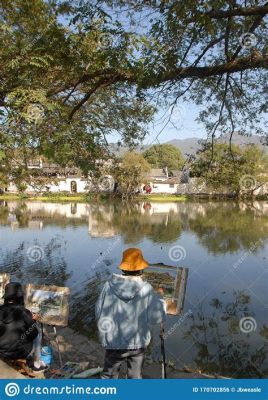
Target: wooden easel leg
(58, 346)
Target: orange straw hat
(133, 260)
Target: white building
(62, 179)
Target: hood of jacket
(126, 287)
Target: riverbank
(165, 198)
(77, 348)
(82, 198)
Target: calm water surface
(225, 247)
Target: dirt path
(78, 348)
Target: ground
(78, 348)
(80, 197)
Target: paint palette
(67, 371)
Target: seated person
(20, 334)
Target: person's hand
(160, 291)
(171, 307)
(35, 316)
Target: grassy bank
(86, 198)
(76, 197)
(161, 197)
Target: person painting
(125, 310)
(20, 334)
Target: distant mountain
(187, 146)
(191, 145)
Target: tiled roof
(168, 181)
(159, 172)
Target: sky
(180, 125)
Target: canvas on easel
(173, 281)
(50, 303)
(4, 280)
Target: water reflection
(220, 227)
(82, 245)
(221, 347)
(50, 269)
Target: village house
(58, 179)
(165, 181)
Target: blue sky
(181, 125)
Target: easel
(56, 340)
(36, 293)
(58, 345)
(179, 293)
(163, 351)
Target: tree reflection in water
(82, 306)
(50, 269)
(223, 229)
(221, 347)
(228, 228)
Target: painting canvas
(51, 303)
(4, 280)
(173, 280)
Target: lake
(223, 328)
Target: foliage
(164, 155)
(130, 173)
(211, 328)
(228, 227)
(74, 72)
(237, 170)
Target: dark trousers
(115, 358)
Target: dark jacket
(17, 331)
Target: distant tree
(240, 171)
(164, 155)
(130, 173)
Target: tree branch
(238, 12)
(240, 64)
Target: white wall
(63, 185)
(105, 184)
(163, 188)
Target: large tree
(130, 173)
(164, 155)
(93, 64)
(241, 172)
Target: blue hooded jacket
(126, 308)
